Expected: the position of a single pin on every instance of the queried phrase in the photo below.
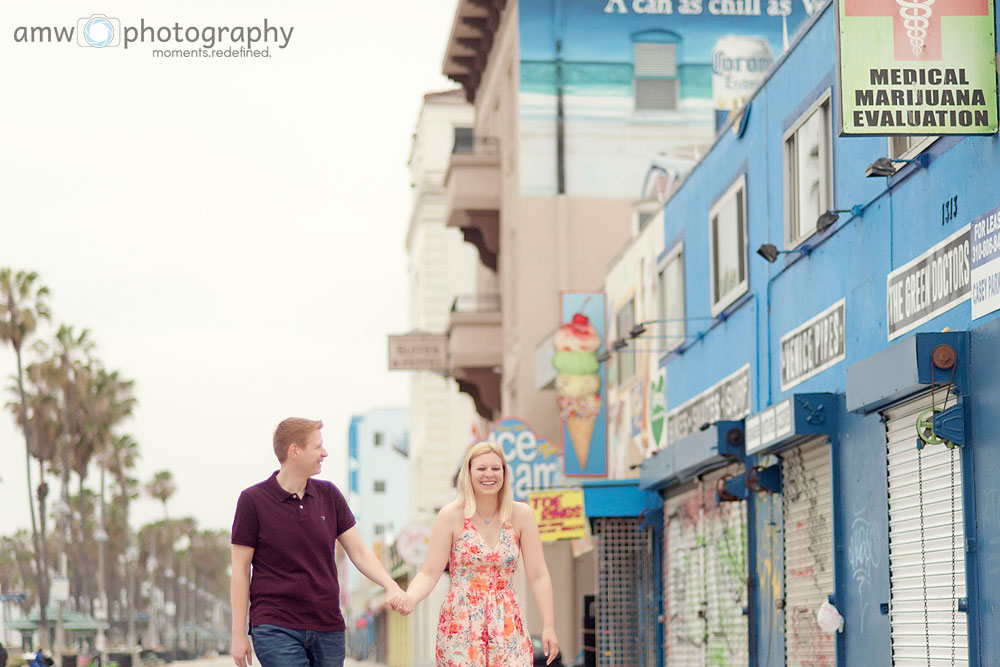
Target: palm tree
(22, 305)
(162, 487)
(106, 400)
(120, 460)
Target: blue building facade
(378, 477)
(832, 409)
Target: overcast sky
(230, 230)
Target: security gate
(684, 580)
(625, 605)
(705, 575)
(926, 543)
(808, 529)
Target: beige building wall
(547, 245)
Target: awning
(617, 497)
(703, 450)
(790, 421)
(908, 367)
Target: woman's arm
(538, 576)
(437, 555)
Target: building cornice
(472, 35)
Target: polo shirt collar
(279, 493)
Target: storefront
(704, 547)
(626, 526)
(920, 389)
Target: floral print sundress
(480, 623)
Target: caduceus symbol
(916, 17)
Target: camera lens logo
(98, 31)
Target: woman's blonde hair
(468, 496)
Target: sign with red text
(559, 514)
(916, 67)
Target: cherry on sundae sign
(916, 67)
(580, 384)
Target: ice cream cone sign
(579, 387)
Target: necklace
(485, 520)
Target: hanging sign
(928, 285)
(986, 264)
(813, 347)
(916, 67)
(728, 399)
(559, 514)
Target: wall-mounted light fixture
(770, 252)
(885, 166)
(828, 218)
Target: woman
(480, 535)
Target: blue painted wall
(901, 221)
(387, 462)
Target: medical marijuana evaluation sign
(916, 67)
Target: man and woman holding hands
(284, 536)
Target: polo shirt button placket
(295, 496)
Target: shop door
(926, 544)
(625, 605)
(808, 529)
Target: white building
(443, 421)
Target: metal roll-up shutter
(724, 525)
(684, 581)
(808, 529)
(926, 544)
(625, 615)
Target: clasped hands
(400, 601)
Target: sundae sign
(579, 384)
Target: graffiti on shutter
(808, 520)
(705, 577)
(684, 580)
(725, 529)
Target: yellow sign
(559, 514)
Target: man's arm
(367, 563)
(240, 595)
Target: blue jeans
(280, 647)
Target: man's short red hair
(293, 430)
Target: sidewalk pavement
(226, 661)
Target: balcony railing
(476, 303)
(469, 145)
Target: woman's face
(486, 473)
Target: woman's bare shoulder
(453, 511)
(521, 512)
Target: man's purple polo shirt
(294, 578)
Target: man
(286, 528)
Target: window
(378, 486)
(655, 83)
(907, 147)
(807, 172)
(465, 143)
(727, 223)
(671, 293)
(379, 438)
(624, 321)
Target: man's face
(311, 454)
